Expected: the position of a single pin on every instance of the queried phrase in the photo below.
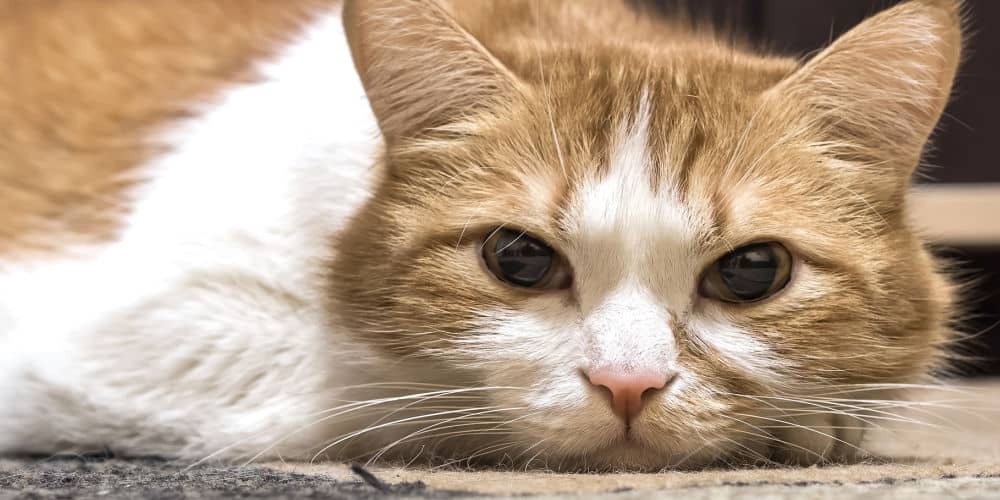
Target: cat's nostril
(628, 389)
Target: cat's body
(223, 271)
(204, 302)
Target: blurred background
(958, 197)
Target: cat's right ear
(879, 89)
(420, 68)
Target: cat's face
(651, 261)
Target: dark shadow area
(979, 270)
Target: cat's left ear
(878, 90)
(420, 68)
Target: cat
(561, 234)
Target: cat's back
(88, 82)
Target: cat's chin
(627, 456)
(632, 451)
(636, 457)
(648, 449)
(639, 450)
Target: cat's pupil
(750, 272)
(522, 259)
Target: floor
(956, 456)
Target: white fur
(630, 332)
(745, 351)
(211, 289)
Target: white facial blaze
(630, 332)
(637, 264)
(626, 234)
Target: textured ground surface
(956, 457)
(104, 479)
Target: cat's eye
(522, 260)
(748, 274)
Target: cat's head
(656, 248)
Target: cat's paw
(818, 439)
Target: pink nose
(627, 389)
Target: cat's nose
(629, 388)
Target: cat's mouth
(642, 446)
(625, 453)
(629, 439)
(629, 436)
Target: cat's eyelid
(482, 231)
(723, 247)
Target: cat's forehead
(632, 190)
(673, 155)
(672, 127)
(633, 213)
(657, 158)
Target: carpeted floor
(956, 456)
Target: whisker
(786, 411)
(803, 427)
(400, 421)
(426, 429)
(349, 408)
(478, 453)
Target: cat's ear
(419, 67)
(879, 89)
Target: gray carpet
(105, 479)
(158, 480)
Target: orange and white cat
(551, 233)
